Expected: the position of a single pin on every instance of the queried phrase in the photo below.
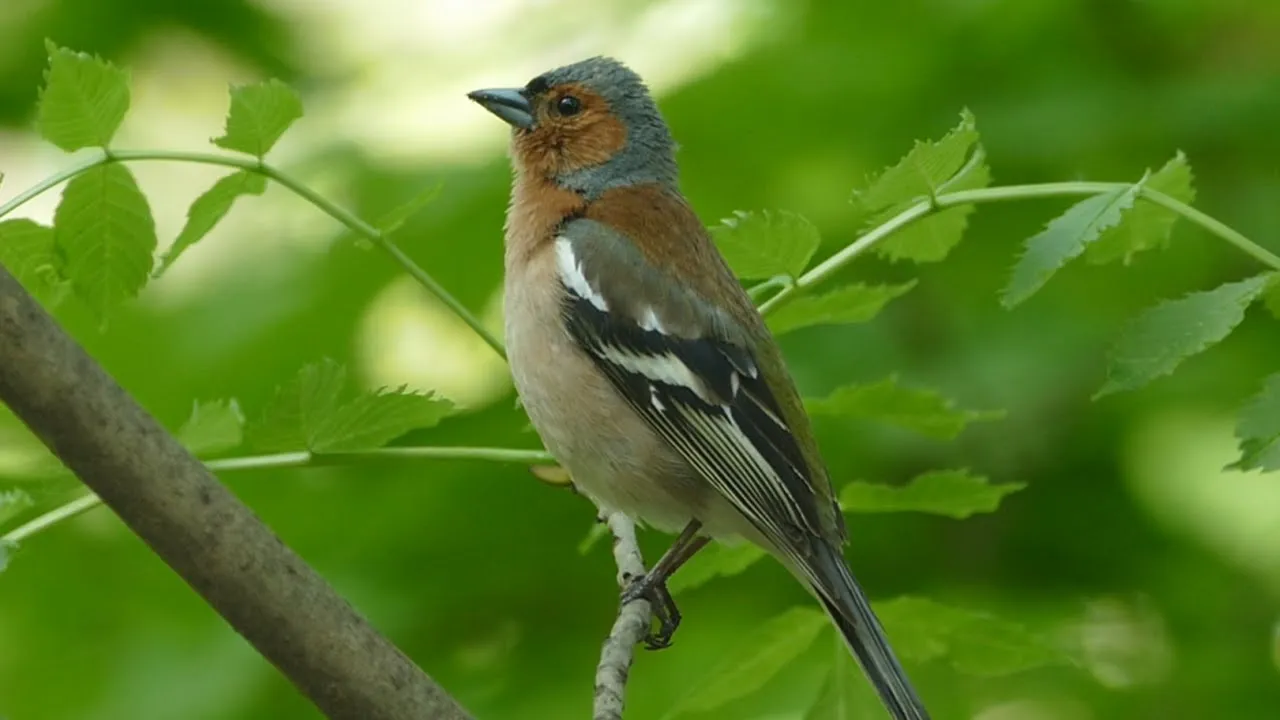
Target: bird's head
(587, 127)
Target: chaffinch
(642, 363)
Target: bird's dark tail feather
(849, 608)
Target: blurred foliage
(1166, 602)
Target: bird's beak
(510, 104)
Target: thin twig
(258, 166)
(298, 459)
(628, 630)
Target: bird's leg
(652, 586)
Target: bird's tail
(849, 608)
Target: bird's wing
(676, 361)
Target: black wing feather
(708, 425)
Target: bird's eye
(568, 105)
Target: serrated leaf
(922, 171)
(769, 649)
(27, 251)
(83, 101)
(1064, 238)
(923, 411)
(974, 643)
(932, 238)
(299, 408)
(850, 304)
(260, 113)
(307, 413)
(213, 427)
(1147, 225)
(106, 236)
(953, 493)
(1155, 342)
(12, 504)
(372, 420)
(1258, 429)
(766, 244)
(209, 209)
(715, 560)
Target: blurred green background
(1130, 545)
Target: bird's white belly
(611, 454)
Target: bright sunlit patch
(1061, 708)
(414, 62)
(407, 337)
(1125, 643)
(1175, 466)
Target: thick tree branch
(265, 591)
(628, 630)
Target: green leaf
(307, 414)
(768, 650)
(374, 419)
(930, 239)
(715, 560)
(953, 493)
(27, 250)
(104, 232)
(923, 170)
(83, 100)
(1065, 237)
(974, 643)
(299, 409)
(213, 427)
(12, 504)
(209, 209)
(923, 411)
(259, 115)
(1259, 430)
(766, 244)
(955, 162)
(1146, 226)
(850, 304)
(1155, 342)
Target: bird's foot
(661, 605)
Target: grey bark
(202, 531)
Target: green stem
(256, 165)
(1215, 226)
(927, 207)
(53, 517)
(305, 458)
(846, 255)
(296, 460)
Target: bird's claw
(661, 605)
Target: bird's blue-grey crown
(649, 152)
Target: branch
(263, 590)
(628, 630)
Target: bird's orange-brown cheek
(553, 150)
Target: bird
(643, 364)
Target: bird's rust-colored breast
(537, 209)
